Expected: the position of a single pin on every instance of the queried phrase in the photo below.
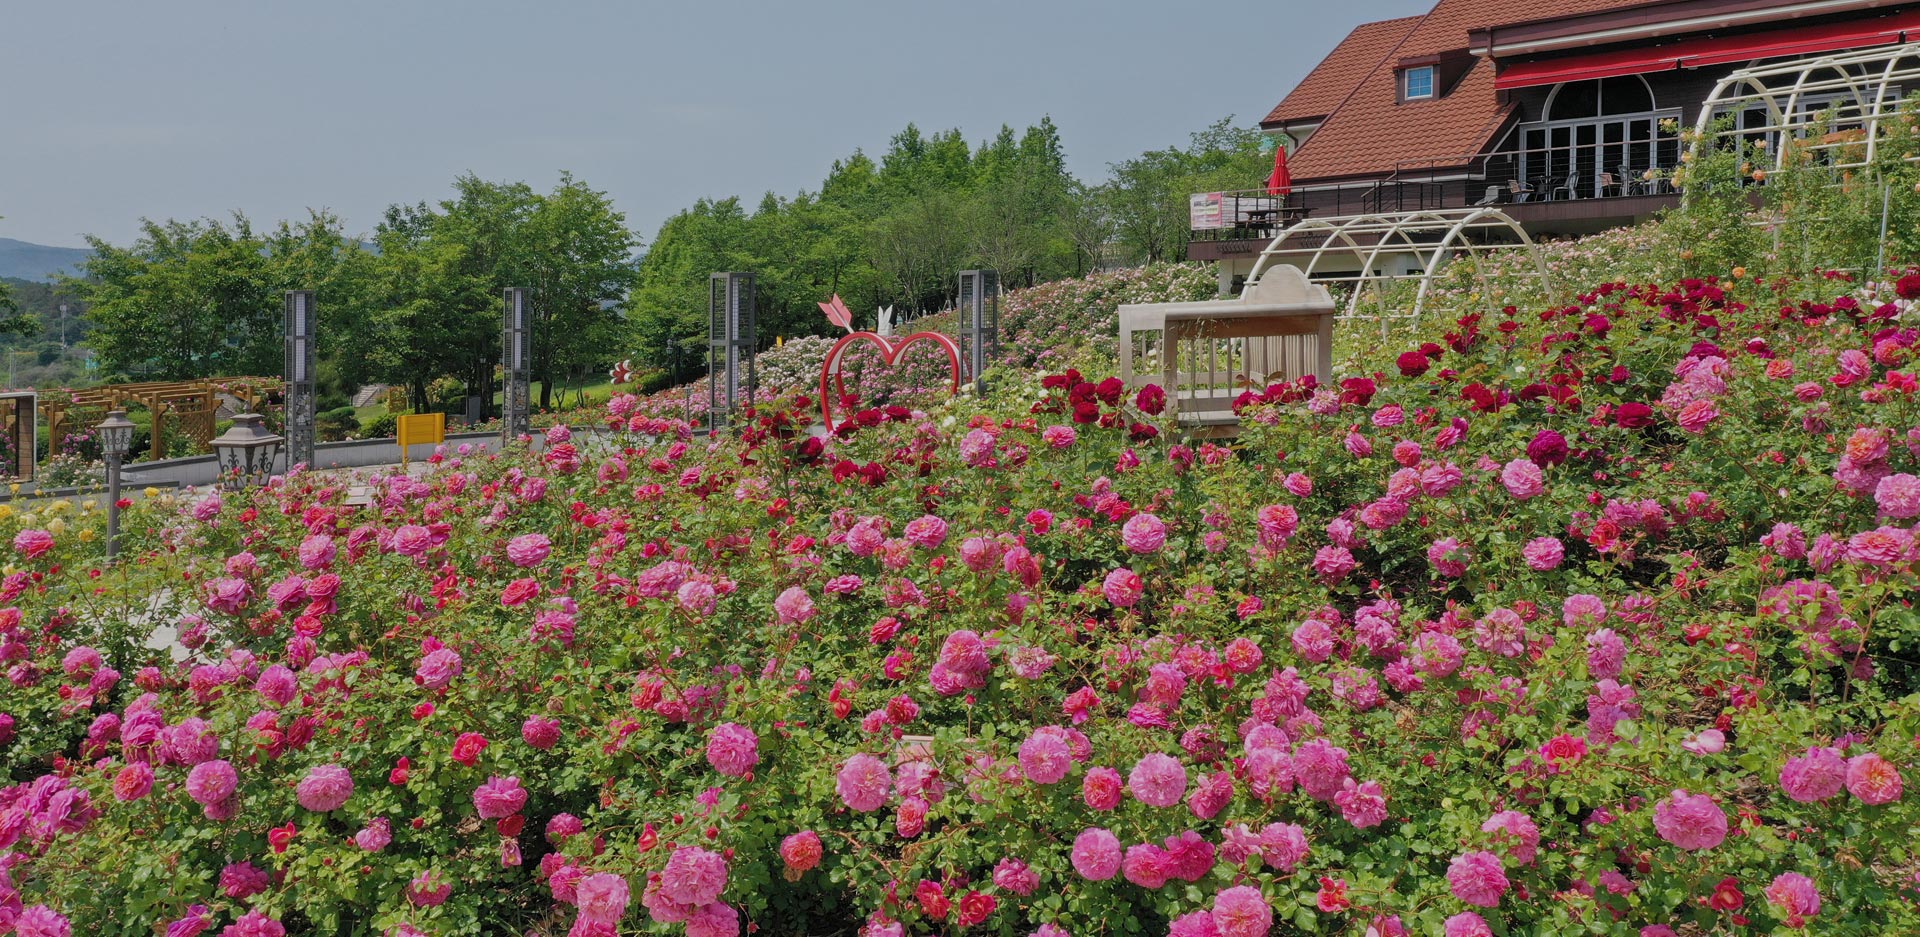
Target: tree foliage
(896, 230)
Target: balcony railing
(1496, 178)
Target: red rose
(467, 748)
(976, 906)
(1726, 895)
(1109, 391)
(1151, 400)
(1633, 415)
(400, 771)
(1412, 364)
(1333, 895)
(280, 837)
(933, 899)
(511, 826)
(519, 592)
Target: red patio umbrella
(1281, 181)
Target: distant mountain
(25, 261)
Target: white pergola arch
(1430, 237)
(1852, 91)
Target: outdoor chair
(1567, 189)
(1611, 185)
(1521, 191)
(1491, 198)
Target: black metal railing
(1497, 178)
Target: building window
(1418, 83)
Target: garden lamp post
(246, 452)
(116, 438)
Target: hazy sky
(188, 108)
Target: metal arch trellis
(1432, 237)
(1846, 98)
(1849, 92)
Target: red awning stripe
(1719, 50)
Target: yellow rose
(59, 507)
(86, 535)
(6, 511)
(57, 526)
(151, 492)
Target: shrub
(337, 424)
(1587, 619)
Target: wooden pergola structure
(192, 405)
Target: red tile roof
(1337, 75)
(1446, 26)
(1370, 131)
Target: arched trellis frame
(1432, 238)
(1828, 114)
(1849, 93)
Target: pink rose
(528, 549)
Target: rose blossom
(211, 782)
(733, 749)
(1101, 788)
(1523, 479)
(801, 851)
(325, 788)
(794, 606)
(1796, 897)
(1143, 533)
(1242, 911)
(1873, 779)
(863, 783)
(1158, 780)
(1690, 821)
(1467, 924)
(528, 549)
(1543, 553)
(540, 733)
(1814, 776)
(499, 797)
(1044, 756)
(1096, 854)
(694, 876)
(1477, 878)
(1123, 588)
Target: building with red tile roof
(1564, 112)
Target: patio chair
(1570, 188)
(1521, 191)
(1611, 185)
(1491, 198)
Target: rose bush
(1510, 639)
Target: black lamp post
(246, 452)
(116, 439)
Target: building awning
(1718, 50)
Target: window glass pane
(1420, 82)
(1576, 99)
(1624, 95)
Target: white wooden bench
(1206, 354)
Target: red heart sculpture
(889, 353)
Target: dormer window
(1416, 83)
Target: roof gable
(1330, 82)
(1369, 130)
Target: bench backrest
(1207, 353)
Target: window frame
(1406, 83)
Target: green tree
(186, 300)
(577, 255)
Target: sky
(110, 112)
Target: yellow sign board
(416, 428)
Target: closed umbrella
(1281, 181)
